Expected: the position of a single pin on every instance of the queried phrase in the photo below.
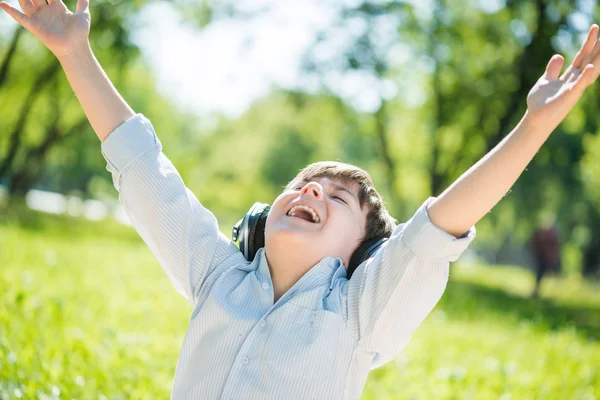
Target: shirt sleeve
(390, 295)
(182, 234)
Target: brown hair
(379, 222)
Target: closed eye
(337, 197)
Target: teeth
(312, 212)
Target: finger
(17, 15)
(586, 47)
(594, 58)
(39, 3)
(82, 5)
(28, 8)
(571, 75)
(593, 55)
(586, 78)
(554, 67)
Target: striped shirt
(321, 338)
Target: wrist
(81, 51)
(535, 124)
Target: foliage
(475, 67)
(443, 81)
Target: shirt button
(265, 285)
(262, 322)
(313, 317)
(245, 360)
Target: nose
(313, 189)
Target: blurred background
(245, 93)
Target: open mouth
(304, 212)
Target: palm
(58, 28)
(550, 96)
(53, 24)
(553, 96)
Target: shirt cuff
(429, 241)
(128, 141)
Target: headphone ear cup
(364, 252)
(256, 225)
(250, 230)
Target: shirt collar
(325, 272)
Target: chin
(305, 244)
(292, 237)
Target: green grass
(87, 313)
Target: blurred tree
(39, 129)
(285, 155)
(16, 142)
(477, 67)
(371, 32)
(436, 86)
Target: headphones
(250, 231)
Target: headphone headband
(250, 231)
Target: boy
(290, 325)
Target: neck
(286, 268)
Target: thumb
(554, 67)
(17, 15)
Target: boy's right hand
(60, 30)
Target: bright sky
(227, 65)
(230, 63)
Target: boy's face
(334, 230)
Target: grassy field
(87, 313)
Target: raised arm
(183, 235)
(479, 189)
(66, 36)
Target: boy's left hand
(553, 96)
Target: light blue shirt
(321, 338)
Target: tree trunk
(15, 138)
(10, 54)
(436, 178)
(591, 252)
(382, 132)
(530, 66)
(591, 257)
(33, 167)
